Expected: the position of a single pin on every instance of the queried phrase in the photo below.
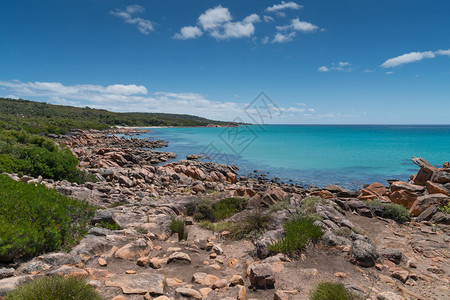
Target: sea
(347, 155)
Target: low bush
(55, 288)
(215, 211)
(35, 219)
(309, 203)
(217, 227)
(251, 227)
(177, 226)
(392, 211)
(331, 291)
(21, 152)
(298, 232)
(445, 208)
(344, 231)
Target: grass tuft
(298, 232)
(177, 226)
(55, 288)
(331, 291)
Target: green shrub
(141, 230)
(55, 288)
(280, 205)
(309, 203)
(177, 226)
(21, 152)
(215, 211)
(35, 219)
(110, 226)
(445, 208)
(251, 227)
(216, 227)
(392, 211)
(344, 231)
(331, 291)
(298, 232)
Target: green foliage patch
(21, 152)
(177, 226)
(392, 211)
(331, 291)
(251, 227)
(55, 288)
(215, 211)
(35, 219)
(298, 232)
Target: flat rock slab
(138, 283)
(9, 284)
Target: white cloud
(412, 57)
(131, 98)
(268, 19)
(189, 32)
(143, 25)
(298, 25)
(283, 5)
(283, 38)
(214, 17)
(339, 66)
(218, 23)
(265, 40)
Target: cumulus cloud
(412, 57)
(339, 66)
(189, 32)
(283, 38)
(218, 23)
(283, 5)
(143, 25)
(298, 25)
(130, 98)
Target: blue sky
(321, 61)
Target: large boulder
(262, 275)
(441, 176)
(403, 186)
(436, 188)
(374, 191)
(426, 201)
(404, 198)
(364, 254)
(425, 172)
(134, 250)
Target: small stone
(340, 275)
(161, 298)
(171, 282)
(119, 297)
(154, 263)
(186, 292)
(386, 279)
(204, 279)
(232, 262)
(262, 275)
(218, 249)
(379, 267)
(179, 257)
(242, 294)
(173, 249)
(236, 280)
(280, 295)
(213, 255)
(102, 262)
(400, 274)
(215, 267)
(205, 291)
(143, 261)
(389, 296)
(220, 284)
(130, 272)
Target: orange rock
(374, 191)
(436, 188)
(324, 194)
(404, 198)
(102, 262)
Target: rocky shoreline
(143, 260)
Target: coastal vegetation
(36, 219)
(391, 211)
(331, 291)
(298, 232)
(55, 288)
(34, 155)
(43, 118)
(212, 211)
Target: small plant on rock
(177, 226)
(251, 227)
(55, 288)
(392, 211)
(298, 232)
(332, 291)
(344, 231)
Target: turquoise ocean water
(348, 155)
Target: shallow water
(348, 155)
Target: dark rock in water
(393, 255)
(364, 254)
(194, 156)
